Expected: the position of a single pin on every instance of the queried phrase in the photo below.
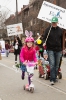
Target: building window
(52, 1)
(34, 21)
(65, 40)
(37, 21)
(35, 6)
(65, 44)
(28, 24)
(39, 6)
(26, 13)
(65, 35)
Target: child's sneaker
(27, 86)
(23, 75)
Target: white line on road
(7, 66)
(55, 88)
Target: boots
(23, 75)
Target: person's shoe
(52, 82)
(22, 77)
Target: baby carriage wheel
(46, 76)
(31, 89)
(60, 75)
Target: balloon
(39, 41)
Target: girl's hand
(44, 44)
(36, 63)
(24, 62)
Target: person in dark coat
(17, 47)
(54, 48)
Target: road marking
(9, 61)
(7, 66)
(52, 87)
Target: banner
(49, 10)
(14, 29)
(3, 52)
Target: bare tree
(4, 14)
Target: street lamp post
(16, 11)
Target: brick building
(31, 22)
(30, 1)
(28, 17)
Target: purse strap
(48, 34)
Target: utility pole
(16, 11)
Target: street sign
(49, 10)
(14, 29)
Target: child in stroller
(44, 68)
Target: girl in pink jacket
(28, 54)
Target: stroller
(44, 69)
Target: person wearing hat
(54, 47)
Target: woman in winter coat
(17, 47)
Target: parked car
(64, 53)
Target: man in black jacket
(54, 48)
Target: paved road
(11, 85)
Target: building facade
(28, 17)
(32, 23)
(30, 1)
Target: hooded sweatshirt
(28, 54)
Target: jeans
(7, 53)
(54, 60)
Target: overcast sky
(11, 4)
